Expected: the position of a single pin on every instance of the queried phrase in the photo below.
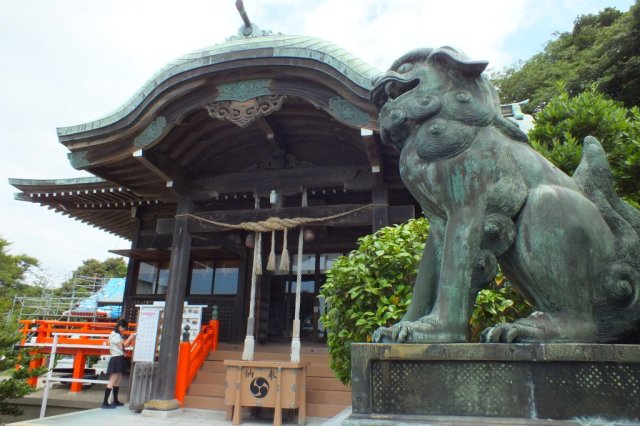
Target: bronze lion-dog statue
(570, 245)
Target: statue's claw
(426, 330)
(402, 332)
(381, 335)
(542, 327)
(511, 333)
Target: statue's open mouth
(391, 87)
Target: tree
(14, 267)
(113, 267)
(15, 365)
(563, 124)
(13, 272)
(602, 49)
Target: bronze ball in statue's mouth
(391, 86)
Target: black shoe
(108, 406)
(118, 403)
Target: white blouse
(115, 344)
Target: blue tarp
(112, 292)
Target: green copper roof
(80, 181)
(275, 46)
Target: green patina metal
(264, 46)
(243, 90)
(78, 159)
(347, 112)
(569, 244)
(151, 133)
(88, 180)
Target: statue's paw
(382, 335)
(403, 332)
(511, 333)
(542, 327)
(397, 333)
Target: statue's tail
(617, 309)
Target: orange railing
(43, 331)
(79, 339)
(192, 356)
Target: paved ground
(122, 416)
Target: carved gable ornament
(244, 113)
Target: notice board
(147, 329)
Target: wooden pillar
(164, 388)
(380, 200)
(131, 269)
(79, 360)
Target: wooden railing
(192, 356)
(42, 331)
(79, 339)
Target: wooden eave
(318, 78)
(94, 201)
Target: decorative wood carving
(347, 112)
(244, 113)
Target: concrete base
(162, 405)
(396, 382)
(354, 420)
(162, 414)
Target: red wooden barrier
(192, 356)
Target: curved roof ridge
(315, 48)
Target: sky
(67, 62)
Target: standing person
(116, 362)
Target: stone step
(213, 378)
(326, 383)
(206, 389)
(311, 358)
(204, 402)
(326, 397)
(324, 410)
(213, 367)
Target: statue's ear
(456, 59)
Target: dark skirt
(116, 365)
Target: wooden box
(273, 384)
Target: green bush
(497, 304)
(372, 287)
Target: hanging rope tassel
(271, 262)
(257, 260)
(284, 259)
(249, 342)
(295, 340)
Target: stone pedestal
(528, 381)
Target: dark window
(202, 276)
(307, 285)
(214, 277)
(152, 277)
(226, 277)
(146, 279)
